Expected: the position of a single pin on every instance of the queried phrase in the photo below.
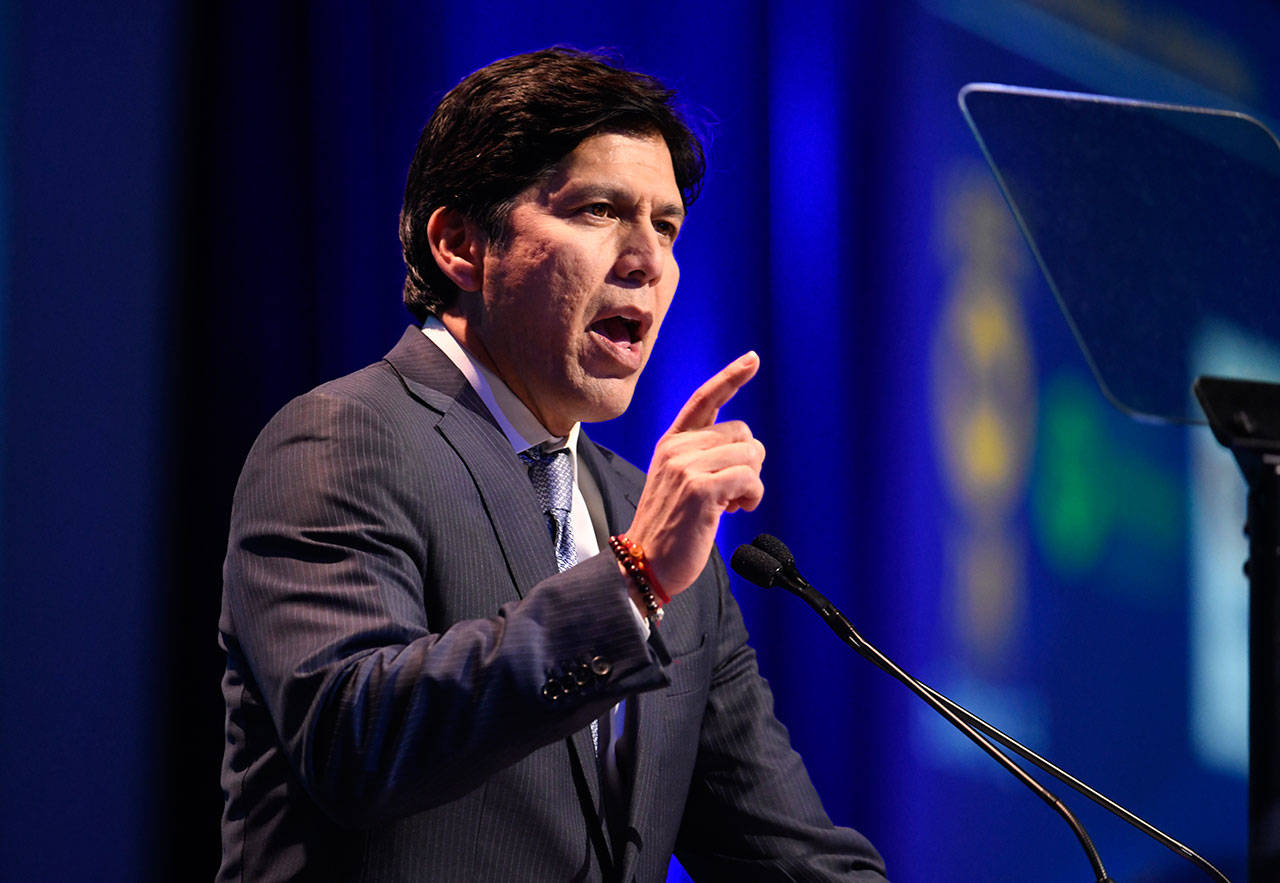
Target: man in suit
(463, 642)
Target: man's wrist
(642, 588)
(636, 600)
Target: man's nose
(642, 257)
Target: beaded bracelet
(631, 557)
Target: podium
(1157, 227)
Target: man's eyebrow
(669, 210)
(615, 193)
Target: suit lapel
(517, 520)
(621, 494)
(469, 428)
(621, 497)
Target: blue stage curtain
(201, 224)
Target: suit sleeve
(325, 604)
(752, 812)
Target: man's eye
(599, 210)
(666, 228)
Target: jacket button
(600, 666)
(551, 691)
(582, 674)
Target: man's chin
(602, 414)
(607, 399)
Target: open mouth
(618, 330)
(622, 339)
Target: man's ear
(458, 247)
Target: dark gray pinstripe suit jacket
(391, 616)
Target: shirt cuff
(639, 617)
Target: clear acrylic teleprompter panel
(1157, 227)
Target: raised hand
(700, 470)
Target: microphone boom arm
(768, 562)
(844, 630)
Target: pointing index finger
(702, 408)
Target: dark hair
(506, 125)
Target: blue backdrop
(197, 220)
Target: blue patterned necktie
(552, 476)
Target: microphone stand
(1245, 418)
(768, 566)
(779, 552)
(768, 562)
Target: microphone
(768, 562)
(757, 565)
(777, 549)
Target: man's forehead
(619, 166)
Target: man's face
(571, 302)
